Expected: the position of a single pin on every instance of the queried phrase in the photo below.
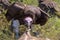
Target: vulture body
(20, 11)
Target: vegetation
(51, 29)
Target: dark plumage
(20, 11)
(47, 6)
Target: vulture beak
(28, 22)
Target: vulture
(47, 6)
(27, 15)
(20, 11)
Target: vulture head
(28, 22)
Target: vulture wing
(15, 11)
(43, 18)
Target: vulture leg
(15, 27)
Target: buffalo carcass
(48, 6)
(20, 11)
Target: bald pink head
(28, 21)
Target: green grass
(58, 1)
(51, 29)
(31, 2)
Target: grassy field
(51, 29)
